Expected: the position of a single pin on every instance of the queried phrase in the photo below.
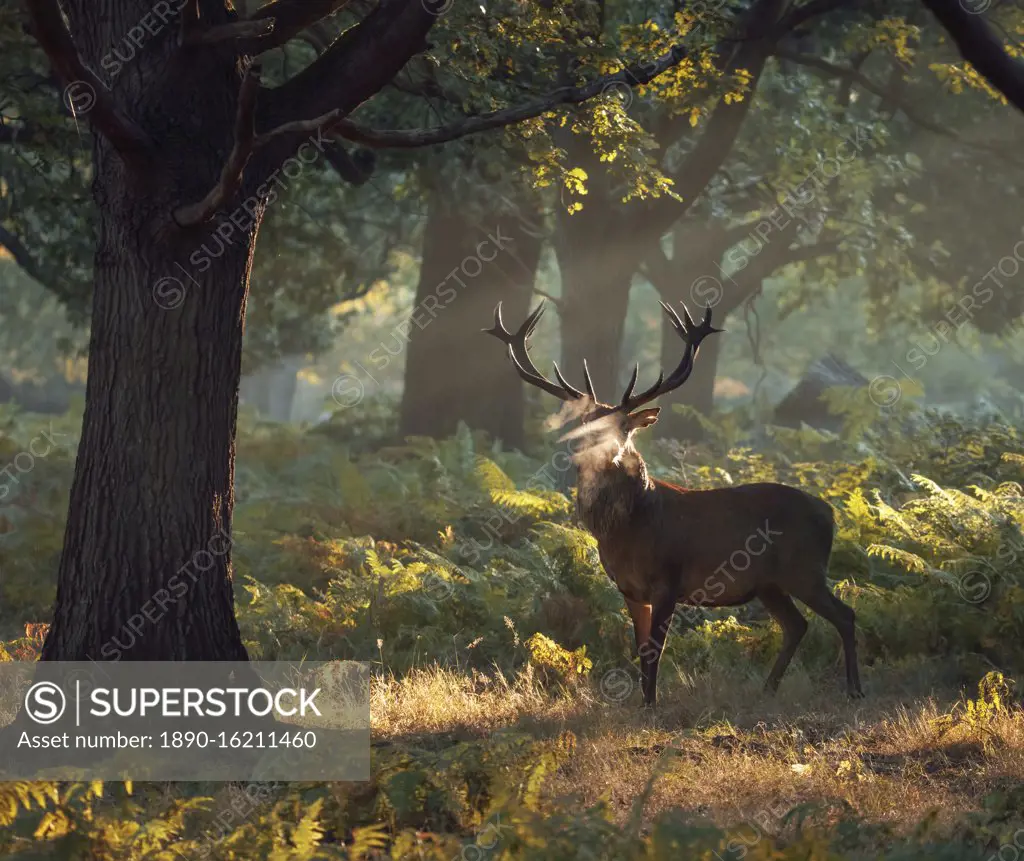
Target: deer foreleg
(650, 653)
(641, 615)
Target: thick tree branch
(981, 45)
(231, 174)
(318, 36)
(665, 275)
(357, 65)
(722, 128)
(21, 255)
(82, 85)
(272, 25)
(640, 74)
(235, 30)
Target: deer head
(604, 428)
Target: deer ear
(643, 419)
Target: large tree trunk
(452, 372)
(145, 572)
(149, 522)
(596, 279)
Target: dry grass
(730, 753)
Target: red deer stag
(663, 545)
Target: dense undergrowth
(504, 655)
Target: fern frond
(910, 561)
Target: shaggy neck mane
(613, 483)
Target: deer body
(663, 545)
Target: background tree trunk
(149, 522)
(596, 280)
(272, 389)
(452, 372)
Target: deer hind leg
(641, 615)
(828, 606)
(793, 625)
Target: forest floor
(731, 753)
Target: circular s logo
(45, 703)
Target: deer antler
(520, 356)
(692, 334)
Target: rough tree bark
(164, 364)
(149, 522)
(185, 147)
(451, 373)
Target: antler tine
(519, 354)
(589, 382)
(632, 384)
(572, 390)
(682, 328)
(689, 319)
(530, 323)
(498, 329)
(648, 394)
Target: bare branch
(52, 34)
(231, 174)
(980, 45)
